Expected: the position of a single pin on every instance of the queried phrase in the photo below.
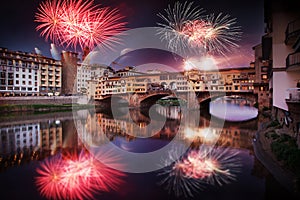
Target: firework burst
(79, 23)
(75, 177)
(187, 29)
(174, 22)
(199, 168)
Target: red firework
(74, 23)
(75, 177)
(198, 32)
(49, 180)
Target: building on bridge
(225, 80)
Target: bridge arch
(151, 99)
(205, 97)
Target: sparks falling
(79, 23)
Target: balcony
(292, 32)
(293, 95)
(293, 62)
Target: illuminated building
(28, 74)
(90, 72)
(238, 80)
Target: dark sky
(18, 26)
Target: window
(2, 75)
(23, 70)
(17, 82)
(264, 77)
(23, 76)
(23, 83)
(10, 75)
(17, 75)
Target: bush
(274, 136)
(265, 108)
(285, 149)
(273, 124)
(267, 135)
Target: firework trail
(223, 34)
(79, 23)
(187, 29)
(75, 177)
(199, 168)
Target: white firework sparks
(223, 35)
(190, 174)
(186, 29)
(174, 22)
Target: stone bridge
(193, 99)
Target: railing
(293, 59)
(293, 95)
(292, 30)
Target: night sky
(18, 26)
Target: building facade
(69, 61)
(238, 80)
(90, 72)
(281, 48)
(28, 74)
(261, 80)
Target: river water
(156, 153)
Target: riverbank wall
(25, 104)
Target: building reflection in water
(198, 168)
(75, 176)
(25, 142)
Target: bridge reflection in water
(211, 159)
(236, 109)
(132, 125)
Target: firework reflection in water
(198, 168)
(75, 176)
